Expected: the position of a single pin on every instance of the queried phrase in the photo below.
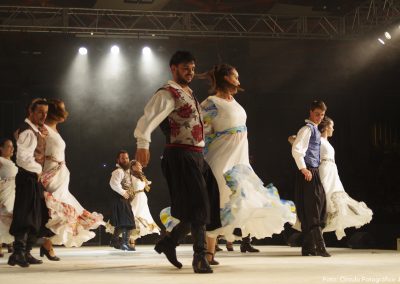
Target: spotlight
(114, 49)
(381, 41)
(387, 35)
(146, 51)
(82, 50)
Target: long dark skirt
(192, 187)
(122, 215)
(310, 201)
(30, 213)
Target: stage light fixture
(82, 50)
(146, 51)
(114, 49)
(381, 41)
(387, 35)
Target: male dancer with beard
(192, 186)
(122, 216)
(30, 212)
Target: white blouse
(55, 145)
(7, 169)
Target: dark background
(358, 80)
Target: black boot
(308, 247)
(18, 256)
(200, 263)
(246, 246)
(31, 260)
(29, 244)
(168, 247)
(319, 242)
(115, 241)
(125, 241)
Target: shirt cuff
(142, 144)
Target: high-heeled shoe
(212, 261)
(44, 251)
(229, 246)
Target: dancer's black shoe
(31, 260)
(200, 264)
(166, 246)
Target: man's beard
(181, 80)
(124, 166)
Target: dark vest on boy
(312, 157)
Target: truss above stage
(132, 23)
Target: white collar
(309, 121)
(34, 127)
(177, 86)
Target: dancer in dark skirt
(192, 186)
(310, 196)
(30, 212)
(122, 218)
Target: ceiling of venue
(236, 6)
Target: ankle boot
(168, 247)
(200, 263)
(308, 247)
(18, 256)
(125, 241)
(115, 241)
(31, 240)
(31, 260)
(246, 246)
(319, 242)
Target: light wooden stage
(274, 264)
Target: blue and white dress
(245, 202)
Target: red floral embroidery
(185, 111)
(197, 132)
(174, 92)
(174, 127)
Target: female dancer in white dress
(8, 171)
(70, 222)
(144, 222)
(343, 211)
(244, 201)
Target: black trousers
(30, 213)
(122, 215)
(192, 187)
(310, 201)
(198, 232)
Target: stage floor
(274, 264)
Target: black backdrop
(358, 80)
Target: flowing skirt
(257, 210)
(144, 222)
(7, 197)
(69, 221)
(244, 201)
(343, 211)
